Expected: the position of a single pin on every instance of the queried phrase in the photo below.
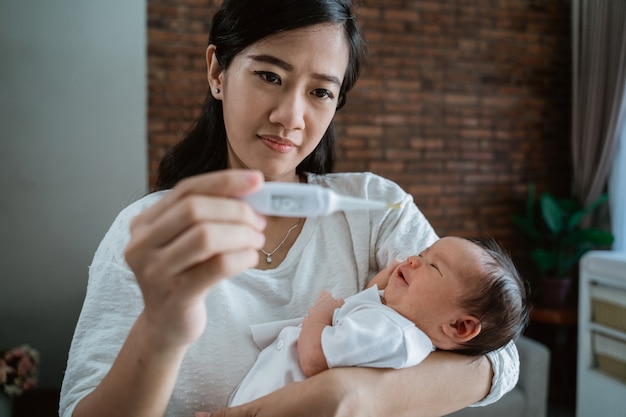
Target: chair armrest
(534, 375)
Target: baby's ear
(465, 328)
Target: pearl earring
(217, 91)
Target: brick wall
(462, 103)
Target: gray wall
(72, 154)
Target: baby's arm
(310, 353)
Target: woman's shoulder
(119, 228)
(140, 205)
(366, 184)
(115, 239)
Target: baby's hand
(382, 277)
(324, 307)
(325, 299)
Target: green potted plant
(556, 239)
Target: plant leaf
(576, 218)
(594, 237)
(552, 213)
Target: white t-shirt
(339, 253)
(364, 332)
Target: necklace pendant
(268, 255)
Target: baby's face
(426, 288)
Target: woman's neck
(280, 235)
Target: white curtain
(598, 80)
(599, 106)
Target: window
(617, 189)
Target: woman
(181, 274)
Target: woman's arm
(140, 381)
(179, 248)
(444, 382)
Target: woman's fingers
(227, 183)
(194, 223)
(206, 274)
(196, 235)
(200, 243)
(196, 209)
(218, 249)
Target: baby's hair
(499, 299)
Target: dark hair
(237, 25)
(501, 302)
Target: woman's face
(279, 96)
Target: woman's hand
(196, 235)
(186, 243)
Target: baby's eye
(323, 93)
(270, 77)
(437, 269)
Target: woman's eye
(323, 93)
(270, 77)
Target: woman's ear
(214, 72)
(463, 329)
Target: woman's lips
(278, 144)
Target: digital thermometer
(289, 199)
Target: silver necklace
(268, 255)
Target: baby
(458, 294)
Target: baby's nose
(414, 261)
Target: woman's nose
(289, 111)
